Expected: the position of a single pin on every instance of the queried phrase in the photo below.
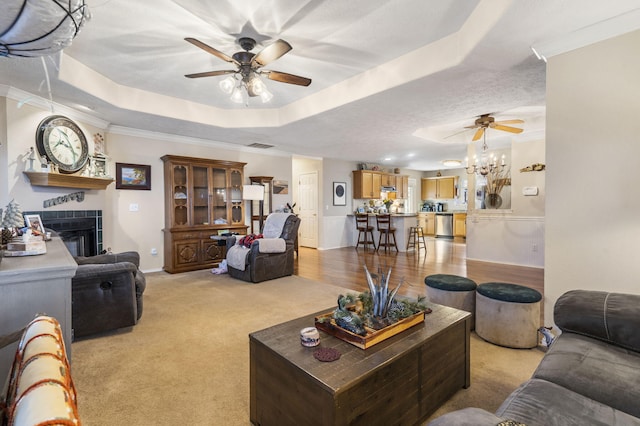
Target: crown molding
(610, 28)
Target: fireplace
(80, 230)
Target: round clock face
(63, 143)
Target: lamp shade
(39, 27)
(253, 192)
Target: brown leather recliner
(106, 293)
(267, 266)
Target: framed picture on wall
(280, 187)
(339, 193)
(133, 176)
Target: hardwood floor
(344, 267)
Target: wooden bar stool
(416, 239)
(386, 231)
(364, 231)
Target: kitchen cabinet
(402, 187)
(460, 225)
(202, 198)
(427, 221)
(438, 188)
(366, 184)
(388, 180)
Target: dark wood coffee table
(399, 381)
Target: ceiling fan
(249, 65)
(485, 121)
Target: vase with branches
(497, 179)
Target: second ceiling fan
(249, 65)
(486, 121)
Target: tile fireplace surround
(81, 230)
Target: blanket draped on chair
(237, 256)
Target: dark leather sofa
(106, 293)
(267, 266)
(589, 376)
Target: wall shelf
(67, 181)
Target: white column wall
(593, 194)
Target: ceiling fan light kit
(247, 77)
(227, 85)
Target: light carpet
(187, 360)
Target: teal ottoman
(508, 314)
(453, 291)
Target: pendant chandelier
(487, 163)
(31, 28)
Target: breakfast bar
(401, 221)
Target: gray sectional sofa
(589, 376)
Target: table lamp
(255, 193)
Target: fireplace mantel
(67, 181)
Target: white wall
(335, 224)
(592, 192)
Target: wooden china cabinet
(203, 198)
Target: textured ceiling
(391, 79)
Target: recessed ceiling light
(387, 159)
(452, 163)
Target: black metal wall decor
(31, 28)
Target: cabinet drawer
(186, 236)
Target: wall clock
(63, 143)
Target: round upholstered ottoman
(453, 291)
(508, 314)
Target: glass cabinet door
(180, 209)
(219, 203)
(200, 195)
(237, 215)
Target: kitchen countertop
(449, 212)
(392, 214)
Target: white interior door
(308, 196)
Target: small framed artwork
(34, 223)
(133, 176)
(339, 193)
(280, 187)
